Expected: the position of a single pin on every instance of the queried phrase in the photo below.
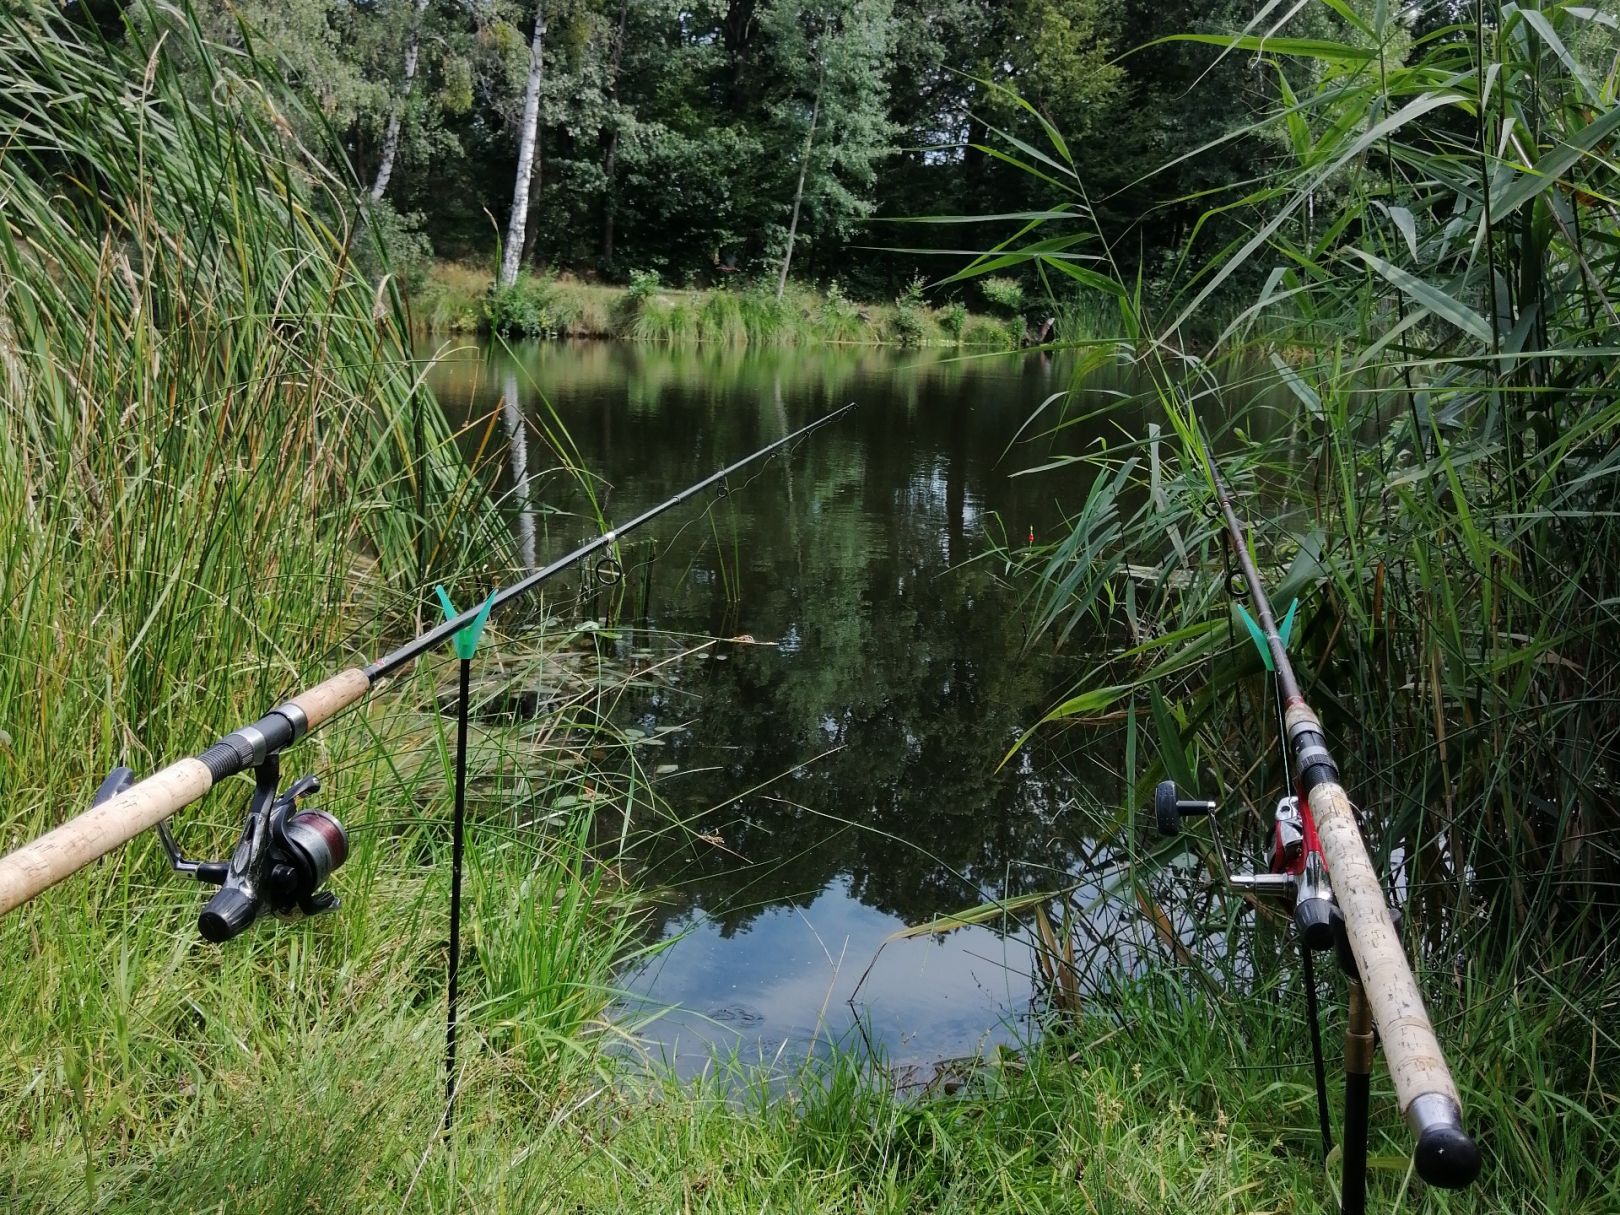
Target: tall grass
(222, 479)
(1429, 280)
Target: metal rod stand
(1358, 1059)
(1313, 1019)
(457, 838)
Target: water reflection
(844, 775)
(517, 446)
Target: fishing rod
(284, 854)
(1319, 861)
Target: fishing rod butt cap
(1447, 1155)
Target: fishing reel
(282, 858)
(1297, 872)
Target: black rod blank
(439, 634)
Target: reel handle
(1169, 807)
(228, 914)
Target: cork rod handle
(61, 852)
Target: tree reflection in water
(891, 642)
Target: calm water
(846, 773)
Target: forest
(703, 141)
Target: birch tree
(528, 137)
(396, 112)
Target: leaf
(1428, 296)
(1409, 112)
(1302, 390)
(1170, 747)
(984, 913)
(1593, 15)
(1042, 216)
(1260, 44)
(1543, 27)
(1299, 134)
(1551, 167)
(1089, 278)
(1402, 219)
(1166, 930)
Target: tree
(528, 135)
(390, 148)
(832, 57)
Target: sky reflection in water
(896, 654)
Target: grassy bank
(1164, 1101)
(457, 298)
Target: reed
(222, 478)
(1435, 488)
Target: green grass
(1162, 1101)
(223, 481)
(456, 298)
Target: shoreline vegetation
(457, 298)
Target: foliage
(909, 324)
(671, 135)
(826, 61)
(841, 317)
(991, 332)
(457, 299)
(1435, 490)
(1006, 295)
(525, 309)
(396, 246)
(643, 283)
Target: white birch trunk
(390, 150)
(512, 255)
(798, 194)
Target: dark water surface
(847, 770)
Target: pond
(841, 771)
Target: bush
(983, 331)
(643, 283)
(522, 310)
(394, 244)
(953, 319)
(1004, 295)
(910, 322)
(631, 307)
(841, 317)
